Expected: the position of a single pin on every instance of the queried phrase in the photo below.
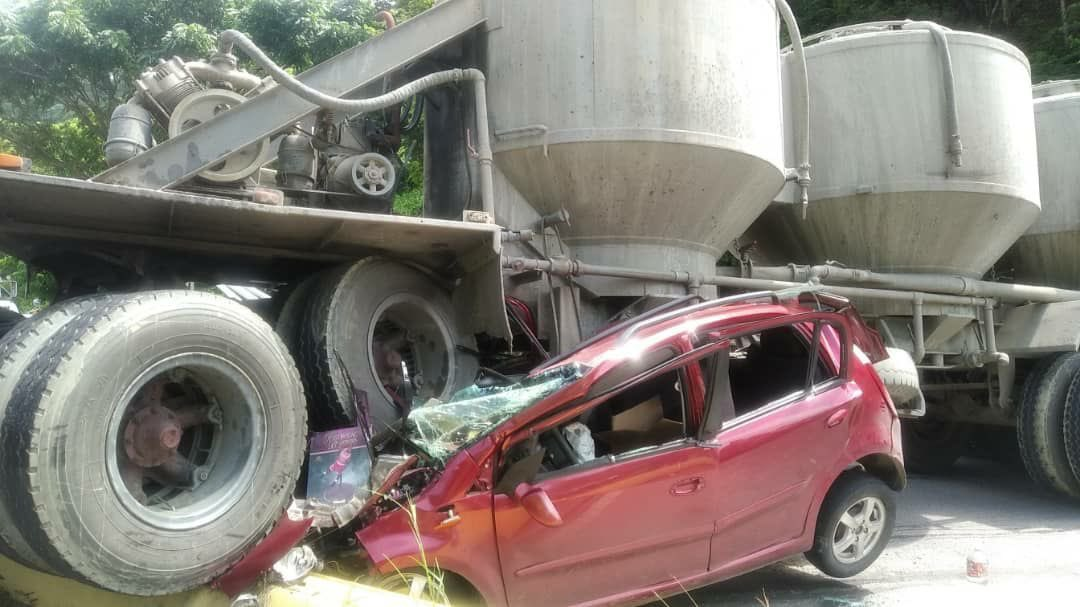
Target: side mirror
(538, 504)
(522, 471)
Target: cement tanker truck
(584, 162)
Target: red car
(683, 447)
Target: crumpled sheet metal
(440, 429)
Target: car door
(768, 454)
(628, 522)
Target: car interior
(761, 368)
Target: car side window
(635, 419)
(770, 366)
(766, 367)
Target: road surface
(1031, 538)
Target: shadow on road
(976, 498)
(779, 582)
(957, 502)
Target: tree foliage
(1047, 31)
(65, 64)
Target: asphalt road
(1031, 538)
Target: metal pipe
(573, 267)
(850, 292)
(802, 104)
(239, 79)
(917, 329)
(991, 338)
(956, 147)
(228, 38)
(932, 283)
(483, 144)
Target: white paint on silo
(885, 194)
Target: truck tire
(8, 320)
(381, 316)
(932, 446)
(291, 317)
(1072, 426)
(17, 349)
(1041, 424)
(155, 439)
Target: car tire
(932, 446)
(854, 495)
(352, 309)
(1041, 424)
(98, 393)
(18, 347)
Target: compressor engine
(328, 161)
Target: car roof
(656, 325)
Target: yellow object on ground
(30, 587)
(9, 162)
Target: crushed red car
(694, 443)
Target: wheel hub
(152, 436)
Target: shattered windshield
(440, 429)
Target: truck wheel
(394, 329)
(855, 523)
(291, 317)
(154, 440)
(932, 446)
(1072, 426)
(8, 320)
(1041, 424)
(17, 349)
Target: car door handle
(836, 418)
(688, 486)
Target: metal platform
(38, 212)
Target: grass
(435, 579)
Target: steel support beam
(181, 157)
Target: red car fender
(465, 548)
(847, 462)
(874, 432)
(286, 534)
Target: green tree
(66, 64)
(33, 291)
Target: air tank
(1049, 253)
(656, 124)
(887, 193)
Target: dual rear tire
(1048, 424)
(147, 441)
(393, 328)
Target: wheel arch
(885, 468)
(882, 466)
